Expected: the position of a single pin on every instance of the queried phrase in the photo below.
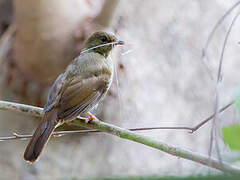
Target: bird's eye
(104, 39)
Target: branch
(195, 128)
(62, 133)
(13, 107)
(37, 112)
(126, 134)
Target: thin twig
(101, 45)
(26, 109)
(219, 77)
(204, 54)
(62, 133)
(126, 134)
(224, 47)
(204, 51)
(17, 136)
(195, 128)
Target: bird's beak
(120, 42)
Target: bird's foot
(87, 117)
(90, 117)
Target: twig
(126, 134)
(211, 117)
(21, 108)
(204, 54)
(61, 133)
(224, 47)
(216, 26)
(219, 77)
(37, 112)
(204, 51)
(17, 136)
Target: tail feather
(41, 136)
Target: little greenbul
(76, 91)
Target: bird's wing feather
(81, 95)
(55, 93)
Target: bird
(76, 91)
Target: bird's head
(102, 43)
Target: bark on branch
(132, 136)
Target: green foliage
(231, 136)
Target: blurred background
(160, 80)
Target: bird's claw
(90, 118)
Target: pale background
(163, 83)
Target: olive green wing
(81, 95)
(55, 92)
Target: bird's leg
(90, 117)
(87, 116)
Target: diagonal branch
(37, 112)
(195, 128)
(62, 133)
(15, 136)
(126, 134)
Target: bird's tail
(41, 136)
